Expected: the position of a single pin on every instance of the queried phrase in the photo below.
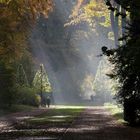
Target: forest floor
(91, 123)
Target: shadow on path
(93, 123)
(98, 124)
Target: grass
(15, 108)
(57, 115)
(116, 111)
(61, 116)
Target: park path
(94, 123)
(8, 122)
(97, 124)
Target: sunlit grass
(70, 106)
(116, 111)
(53, 117)
(77, 106)
(42, 120)
(58, 115)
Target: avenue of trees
(119, 19)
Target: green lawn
(57, 115)
(38, 126)
(116, 111)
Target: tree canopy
(17, 17)
(126, 60)
(118, 18)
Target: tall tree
(115, 22)
(41, 82)
(127, 67)
(15, 18)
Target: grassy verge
(116, 112)
(57, 115)
(15, 108)
(45, 124)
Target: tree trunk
(123, 24)
(115, 24)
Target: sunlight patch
(61, 116)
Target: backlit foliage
(31, 7)
(41, 81)
(90, 12)
(15, 18)
(87, 85)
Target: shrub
(28, 96)
(7, 90)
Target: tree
(103, 85)
(90, 12)
(87, 86)
(95, 13)
(117, 10)
(7, 84)
(21, 76)
(16, 19)
(126, 61)
(41, 82)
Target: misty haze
(70, 56)
(69, 69)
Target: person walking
(48, 101)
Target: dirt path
(93, 124)
(98, 124)
(8, 122)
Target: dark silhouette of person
(92, 97)
(48, 101)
